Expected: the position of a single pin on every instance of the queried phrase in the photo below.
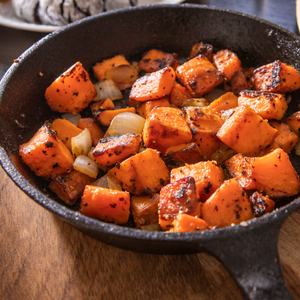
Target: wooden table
(42, 257)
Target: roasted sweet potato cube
(208, 177)
(226, 101)
(46, 154)
(145, 107)
(202, 49)
(142, 174)
(105, 117)
(113, 149)
(179, 94)
(204, 125)
(165, 127)
(238, 82)
(154, 86)
(100, 68)
(95, 130)
(179, 196)
(276, 77)
(188, 223)
(261, 204)
(144, 209)
(227, 62)
(267, 105)
(179, 155)
(69, 187)
(65, 130)
(227, 206)
(246, 132)
(102, 105)
(294, 122)
(199, 75)
(286, 138)
(239, 167)
(275, 175)
(105, 204)
(155, 60)
(72, 91)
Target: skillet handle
(252, 258)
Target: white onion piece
(107, 182)
(81, 143)
(197, 102)
(87, 166)
(73, 118)
(297, 148)
(107, 89)
(214, 94)
(126, 123)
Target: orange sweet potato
(105, 204)
(208, 177)
(238, 82)
(72, 91)
(246, 132)
(261, 204)
(226, 101)
(154, 86)
(204, 125)
(144, 209)
(145, 107)
(155, 60)
(46, 154)
(179, 196)
(294, 122)
(276, 77)
(165, 127)
(102, 105)
(202, 49)
(227, 63)
(179, 94)
(116, 148)
(141, 174)
(228, 205)
(105, 117)
(69, 187)
(267, 105)
(199, 75)
(65, 130)
(95, 130)
(188, 223)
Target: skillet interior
(130, 32)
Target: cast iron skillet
(249, 252)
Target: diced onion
(82, 143)
(126, 123)
(214, 94)
(297, 148)
(198, 102)
(107, 182)
(73, 118)
(107, 89)
(151, 227)
(222, 154)
(85, 165)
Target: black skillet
(249, 252)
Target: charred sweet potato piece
(182, 154)
(154, 86)
(179, 94)
(179, 196)
(72, 91)
(276, 77)
(238, 82)
(228, 205)
(105, 117)
(69, 187)
(188, 223)
(226, 101)
(165, 127)
(102, 105)
(294, 122)
(141, 174)
(46, 155)
(261, 204)
(95, 130)
(286, 138)
(208, 177)
(155, 60)
(203, 49)
(204, 125)
(227, 63)
(267, 105)
(145, 107)
(100, 68)
(105, 204)
(144, 209)
(116, 148)
(199, 75)
(246, 132)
